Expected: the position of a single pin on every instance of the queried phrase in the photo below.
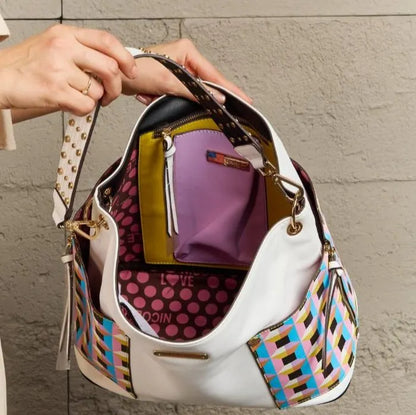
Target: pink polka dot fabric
(125, 211)
(180, 304)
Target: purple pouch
(220, 201)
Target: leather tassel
(335, 271)
(64, 350)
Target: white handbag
(279, 332)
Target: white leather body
(3, 390)
(274, 287)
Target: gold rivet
(67, 201)
(58, 186)
(221, 126)
(78, 152)
(78, 129)
(63, 154)
(69, 161)
(60, 170)
(83, 136)
(233, 125)
(67, 139)
(220, 111)
(74, 169)
(66, 178)
(89, 118)
(245, 138)
(73, 145)
(71, 122)
(70, 185)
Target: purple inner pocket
(220, 201)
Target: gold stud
(63, 194)
(221, 126)
(245, 138)
(74, 169)
(220, 111)
(67, 200)
(58, 186)
(66, 178)
(73, 145)
(70, 185)
(89, 118)
(60, 170)
(67, 139)
(232, 139)
(83, 136)
(63, 154)
(71, 122)
(233, 125)
(78, 152)
(69, 161)
(78, 129)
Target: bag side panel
(97, 338)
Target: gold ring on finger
(87, 88)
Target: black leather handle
(230, 126)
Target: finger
(75, 103)
(108, 44)
(86, 84)
(105, 67)
(146, 99)
(205, 70)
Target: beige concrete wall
(338, 81)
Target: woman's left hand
(154, 80)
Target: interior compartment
(174, 301)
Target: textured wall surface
(338, 81)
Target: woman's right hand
(51, 71)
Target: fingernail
(219, 97)
(143, 99)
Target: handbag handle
(80, 129)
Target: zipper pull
(171, 215)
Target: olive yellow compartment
(157, 244)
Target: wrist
(6, 80)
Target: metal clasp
(298, 200)
(75, 225)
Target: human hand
(49, 71)
(154, 80)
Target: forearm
(19, 115)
